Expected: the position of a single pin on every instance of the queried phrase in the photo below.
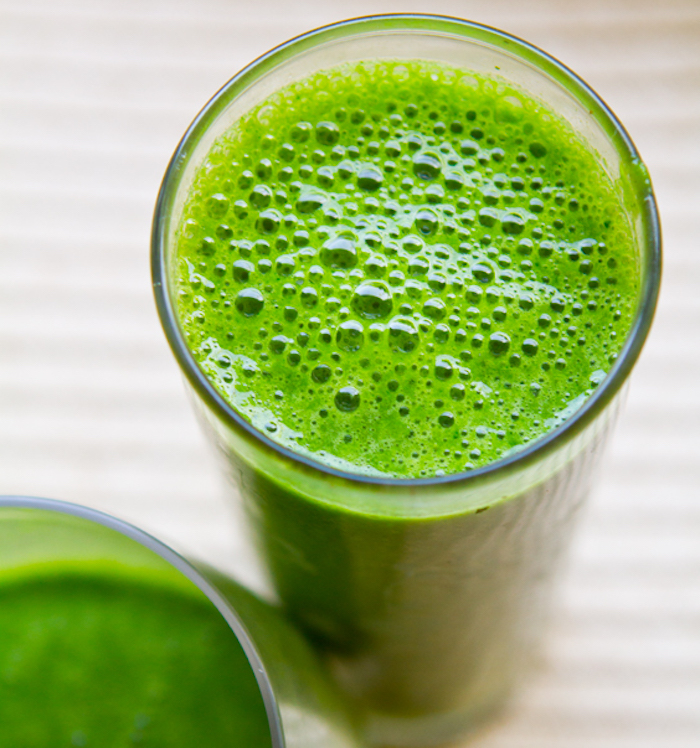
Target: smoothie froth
(400, 268)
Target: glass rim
(650, 263)
(183, 566)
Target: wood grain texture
(94, 96)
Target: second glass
(51, 548)
(429, 596)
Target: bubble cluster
(412, 280)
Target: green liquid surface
(400, 268)
(90, 660)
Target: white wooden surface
(95, 94)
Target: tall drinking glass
(429, 596)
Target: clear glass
(302, 705)
(428, 607)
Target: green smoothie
(91, 659)
(400, 269)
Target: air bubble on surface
(426, 222)
(443, 369)
(217, 205)
(412, 244)
(321, 374)
(499, 343)
(372, 300)
(260, 196)
(403, 335)
(310, 202)
(350, 336)
(285, 264)
(482, 272)
(530, 346)
(347, 399)
(446, 419)
(369, 179)
(340, 252)
(434, 308)
(249, 302)
(327, 133)
(427, 165)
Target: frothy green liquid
(93, 660)
(400, 268)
